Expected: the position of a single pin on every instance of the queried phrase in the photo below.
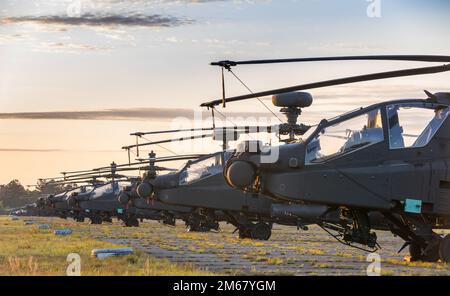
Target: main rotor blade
(97, 172)
(95, 177)
(75, 172)
(410, 58)
(238, 129)
(139, 134)
(160, 159)
(334, 82)
(158, 168)
(167, 141)
(47, 179)
(88, 173)
(86, 178)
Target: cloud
(62, 47)
(108, 114)
(53, 150)
(153, 2)
(29, 150)
(13, 38)
(99, 21)
(116, 114)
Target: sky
(77, 76)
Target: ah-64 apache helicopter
(145, 208)
(392, 158)
(56, 204)
(90, 195)
(31, 209)
(104, 200)
(201, 186)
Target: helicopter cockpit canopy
(110, 188)
(71, 192)
(411, 124)
(346, 136)
(204, 167)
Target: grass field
(163, 250)
(28, 250)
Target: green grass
(27, 250)
(421, 264)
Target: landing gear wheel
(131, 222)
(215, 226)
(197, 226)
(415, 252)
(169, 221)
(428, 254)
(192, 226)
(79, 219)
(444, 249)
(96, 220)
(261, 231)
(244, 232)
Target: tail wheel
(444, 249)
(261, 231)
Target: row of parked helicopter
(374, 176)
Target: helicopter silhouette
(391, 158)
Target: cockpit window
(78, 190)
(202, 169)
(346, 136)
(414, 124)
(100, 191)
(108, 188)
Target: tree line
(14, 194)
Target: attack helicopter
(100, 204)
(88, 196)
(166, 213)
(106, 199)
(391, 158)
(57, 204)
(30, 209)
(201, 186)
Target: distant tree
(49, 187)
(14, 194)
